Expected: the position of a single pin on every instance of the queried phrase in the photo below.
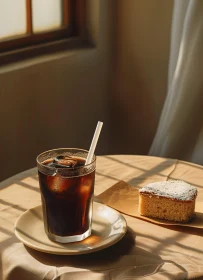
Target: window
(30, 27)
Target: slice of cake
(170, 200)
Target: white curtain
(180, 130)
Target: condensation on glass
(12, 18)
(46, 15)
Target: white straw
(94, 143)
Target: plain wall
(55, 101)
(141, 44)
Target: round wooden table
(147, 250)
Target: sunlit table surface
(147, 251)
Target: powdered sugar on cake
(172, 189)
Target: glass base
(69, 239)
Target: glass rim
(62, 168)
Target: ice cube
(56, 184)
(64, 161)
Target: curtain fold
(179, 133)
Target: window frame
(31, 45)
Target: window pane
(47, 15)
(12, 17)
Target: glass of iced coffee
(67, 188)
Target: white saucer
(108, 227)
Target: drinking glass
(66, 193)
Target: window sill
(44, 51)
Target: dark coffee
(67, 201)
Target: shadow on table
(113, 253)
(123, 258)
(188, 230)
(123, 273)
(155, 170)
